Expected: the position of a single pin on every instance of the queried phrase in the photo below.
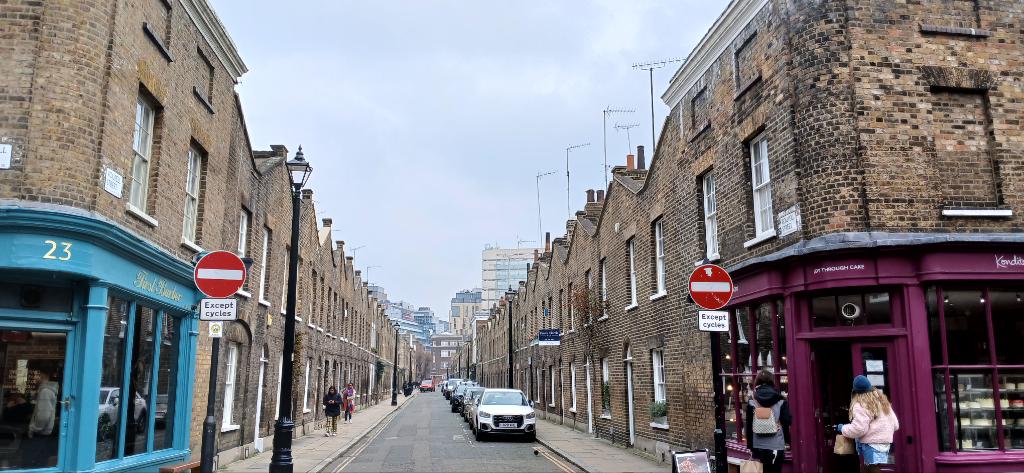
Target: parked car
(427, 385)
(504, 412)
(468, 399)
(460, 391)
(449, 386)
(161, 409)
(110, 399)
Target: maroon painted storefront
(938, 327)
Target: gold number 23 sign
(63, 254)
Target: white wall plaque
(113, 182)
(5, 155)
(789, 221)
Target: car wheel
(532, 436)
(480, 435)
(453, 407)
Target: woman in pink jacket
(872, 424)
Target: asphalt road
(425, 436)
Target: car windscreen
(504, 399)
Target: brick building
(866, 199)
(123, 155)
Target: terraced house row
(124, 154)
(867, 200)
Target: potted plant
(606, 397)
(659, 412)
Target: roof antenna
(629, 141)
(650, 67)
(568, 199)
(609, 110)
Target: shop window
(143, 343)
(979, 400)
(756, 340)
(845, 310)
(31, 384)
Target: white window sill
(606, 416)
(310, 325)
(320, 329)
(141, 215)
(572, 409)
(264, 303)
(244, 293)
(659, 295)
(659, 426)
(603, 318)
(572, 330)
(760, 238)
(306, 411)
(191, 246)
(631, 307)
(229, 428)
(284, 312)
(978, 212)
(551, 405)
(298, 319)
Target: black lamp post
(509, 295)
(281, 461)
(394, 372)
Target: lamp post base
(281, 461)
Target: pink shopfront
(940, 328)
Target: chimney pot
(547, 242)
(600, 196)
(641, 163)
(590, 195)
(328, 222)
(307, 194)
(629, 162)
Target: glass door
(34, 409)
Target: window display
(755, 341)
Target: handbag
(844, 446)
(751, 466)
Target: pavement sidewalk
(313, 452)
(591, 454)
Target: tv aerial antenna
(650, 67)
(568, 209)
(627, 126)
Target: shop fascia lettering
(841, 267)
(156, 285)
(1003, 261)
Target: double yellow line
(561, 465)
(366, 443)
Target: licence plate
(507, 425)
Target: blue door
(36, 409)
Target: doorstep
(591, 454)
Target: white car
(504, 411)
(109, 412)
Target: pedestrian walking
(768, 422)
(872, 424)
(348, 402)
(332, 407)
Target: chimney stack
(590, 196)
(600, 196)
(641, 163)
(547, 242)
(327, 222)
(307, 194)
(629, 162)
(536, 255)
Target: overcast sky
(427, 121)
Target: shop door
(834, 366)
(35, 411)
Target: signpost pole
(209, 448)
(711, 288)
(716, 368)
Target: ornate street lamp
(509, 295)
(281, 461)
(394, 371)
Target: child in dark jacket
(332, 407)
(768, 448)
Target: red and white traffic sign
(219, 274)
(710, 286)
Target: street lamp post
(394, 372)
(281, 461)
(508, 295)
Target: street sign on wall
(218, 309)
(713, 320)
(219, 274)
(710, 287)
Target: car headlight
(484, 415)
(530, 416)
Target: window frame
(243, 232)
(230, 375)
(660, 285)
(603, 276)
(658, 374)
(193, 190)
(631, 260)
(710, 199)
(264, 277)
(732, 378)
(138, 194)
(760, 166)
(305, 389)
(572, 384)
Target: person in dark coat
(332, 408)
(768, 448)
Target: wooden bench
(181, 467)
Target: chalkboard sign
(691, 462)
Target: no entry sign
(710, 287)
(219, 274)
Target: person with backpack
(872, 424)
(332, 408)
(767, 423)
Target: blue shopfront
(97, 346)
